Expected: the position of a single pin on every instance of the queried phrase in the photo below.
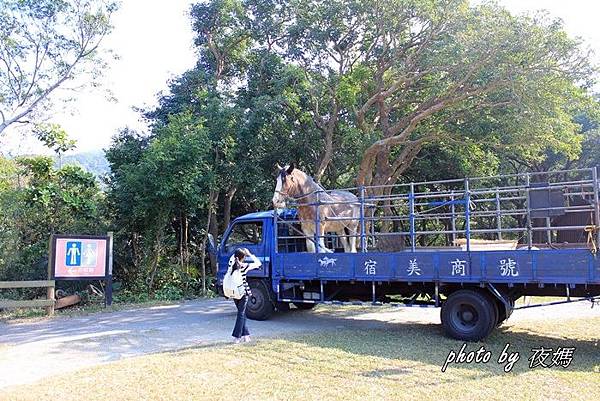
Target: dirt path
(31, 351)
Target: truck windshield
(248, 233)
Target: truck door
(245, 234)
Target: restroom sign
(80, 256)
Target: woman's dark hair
(239, 254)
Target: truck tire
(503, 313)
(260, 306)
(304, 306)
(495, 309)
(468, 315)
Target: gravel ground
(31, 351)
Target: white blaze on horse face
(278, 201)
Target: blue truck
(471, 247)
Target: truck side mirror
(210, 246)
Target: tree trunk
(181, 257)
(157, 252)
(328, 129)
(227, 208)
(326, 157)
(213, 228)
(186, 244)
(212, 199)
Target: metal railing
(548, 209)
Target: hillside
(92, 161)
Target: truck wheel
(503, 313)
(260, 306)
(303, 306)
(468, 315)
(497, 317)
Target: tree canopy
(43, 45)
(356, 92)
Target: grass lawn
(402, 362)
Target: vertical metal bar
(411, 205)
(276, 233)
(363, 242)
(373, 291)
(318, 223)
(322, 291)
(437, 294)
(467, 214)
(108, 296)
(596, 206)
(528, 208)
(498, 215)
(453, 210)
(548, 231)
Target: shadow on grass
(426, 343)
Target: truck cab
(253, 231)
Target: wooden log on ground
(67, 301)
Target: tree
(431, 65)
(354, 91)
(160, 217)
(9, 209)
(41, 201)
(54, 137)
(44, 44)
(412, 73)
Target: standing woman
(240, 330)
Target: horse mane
(315, 186)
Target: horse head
(287, 186)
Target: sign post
(82, 257)
(109, 282)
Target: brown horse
(339, 211)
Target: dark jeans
(240, 328)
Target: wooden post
(50, 297)
(50, 290)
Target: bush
(169, 293)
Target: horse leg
(353, 243)
(322, 247)
(343, 239)
(355, 231)
(309, 233)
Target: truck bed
(545, 266)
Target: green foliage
(157, 191)
(169, 293)
(39, 200)
(450, 89)
(54, 137)
(369, 91)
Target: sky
(153, 39)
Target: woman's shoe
(246, 339)
(237, 340)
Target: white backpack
(233, 283)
